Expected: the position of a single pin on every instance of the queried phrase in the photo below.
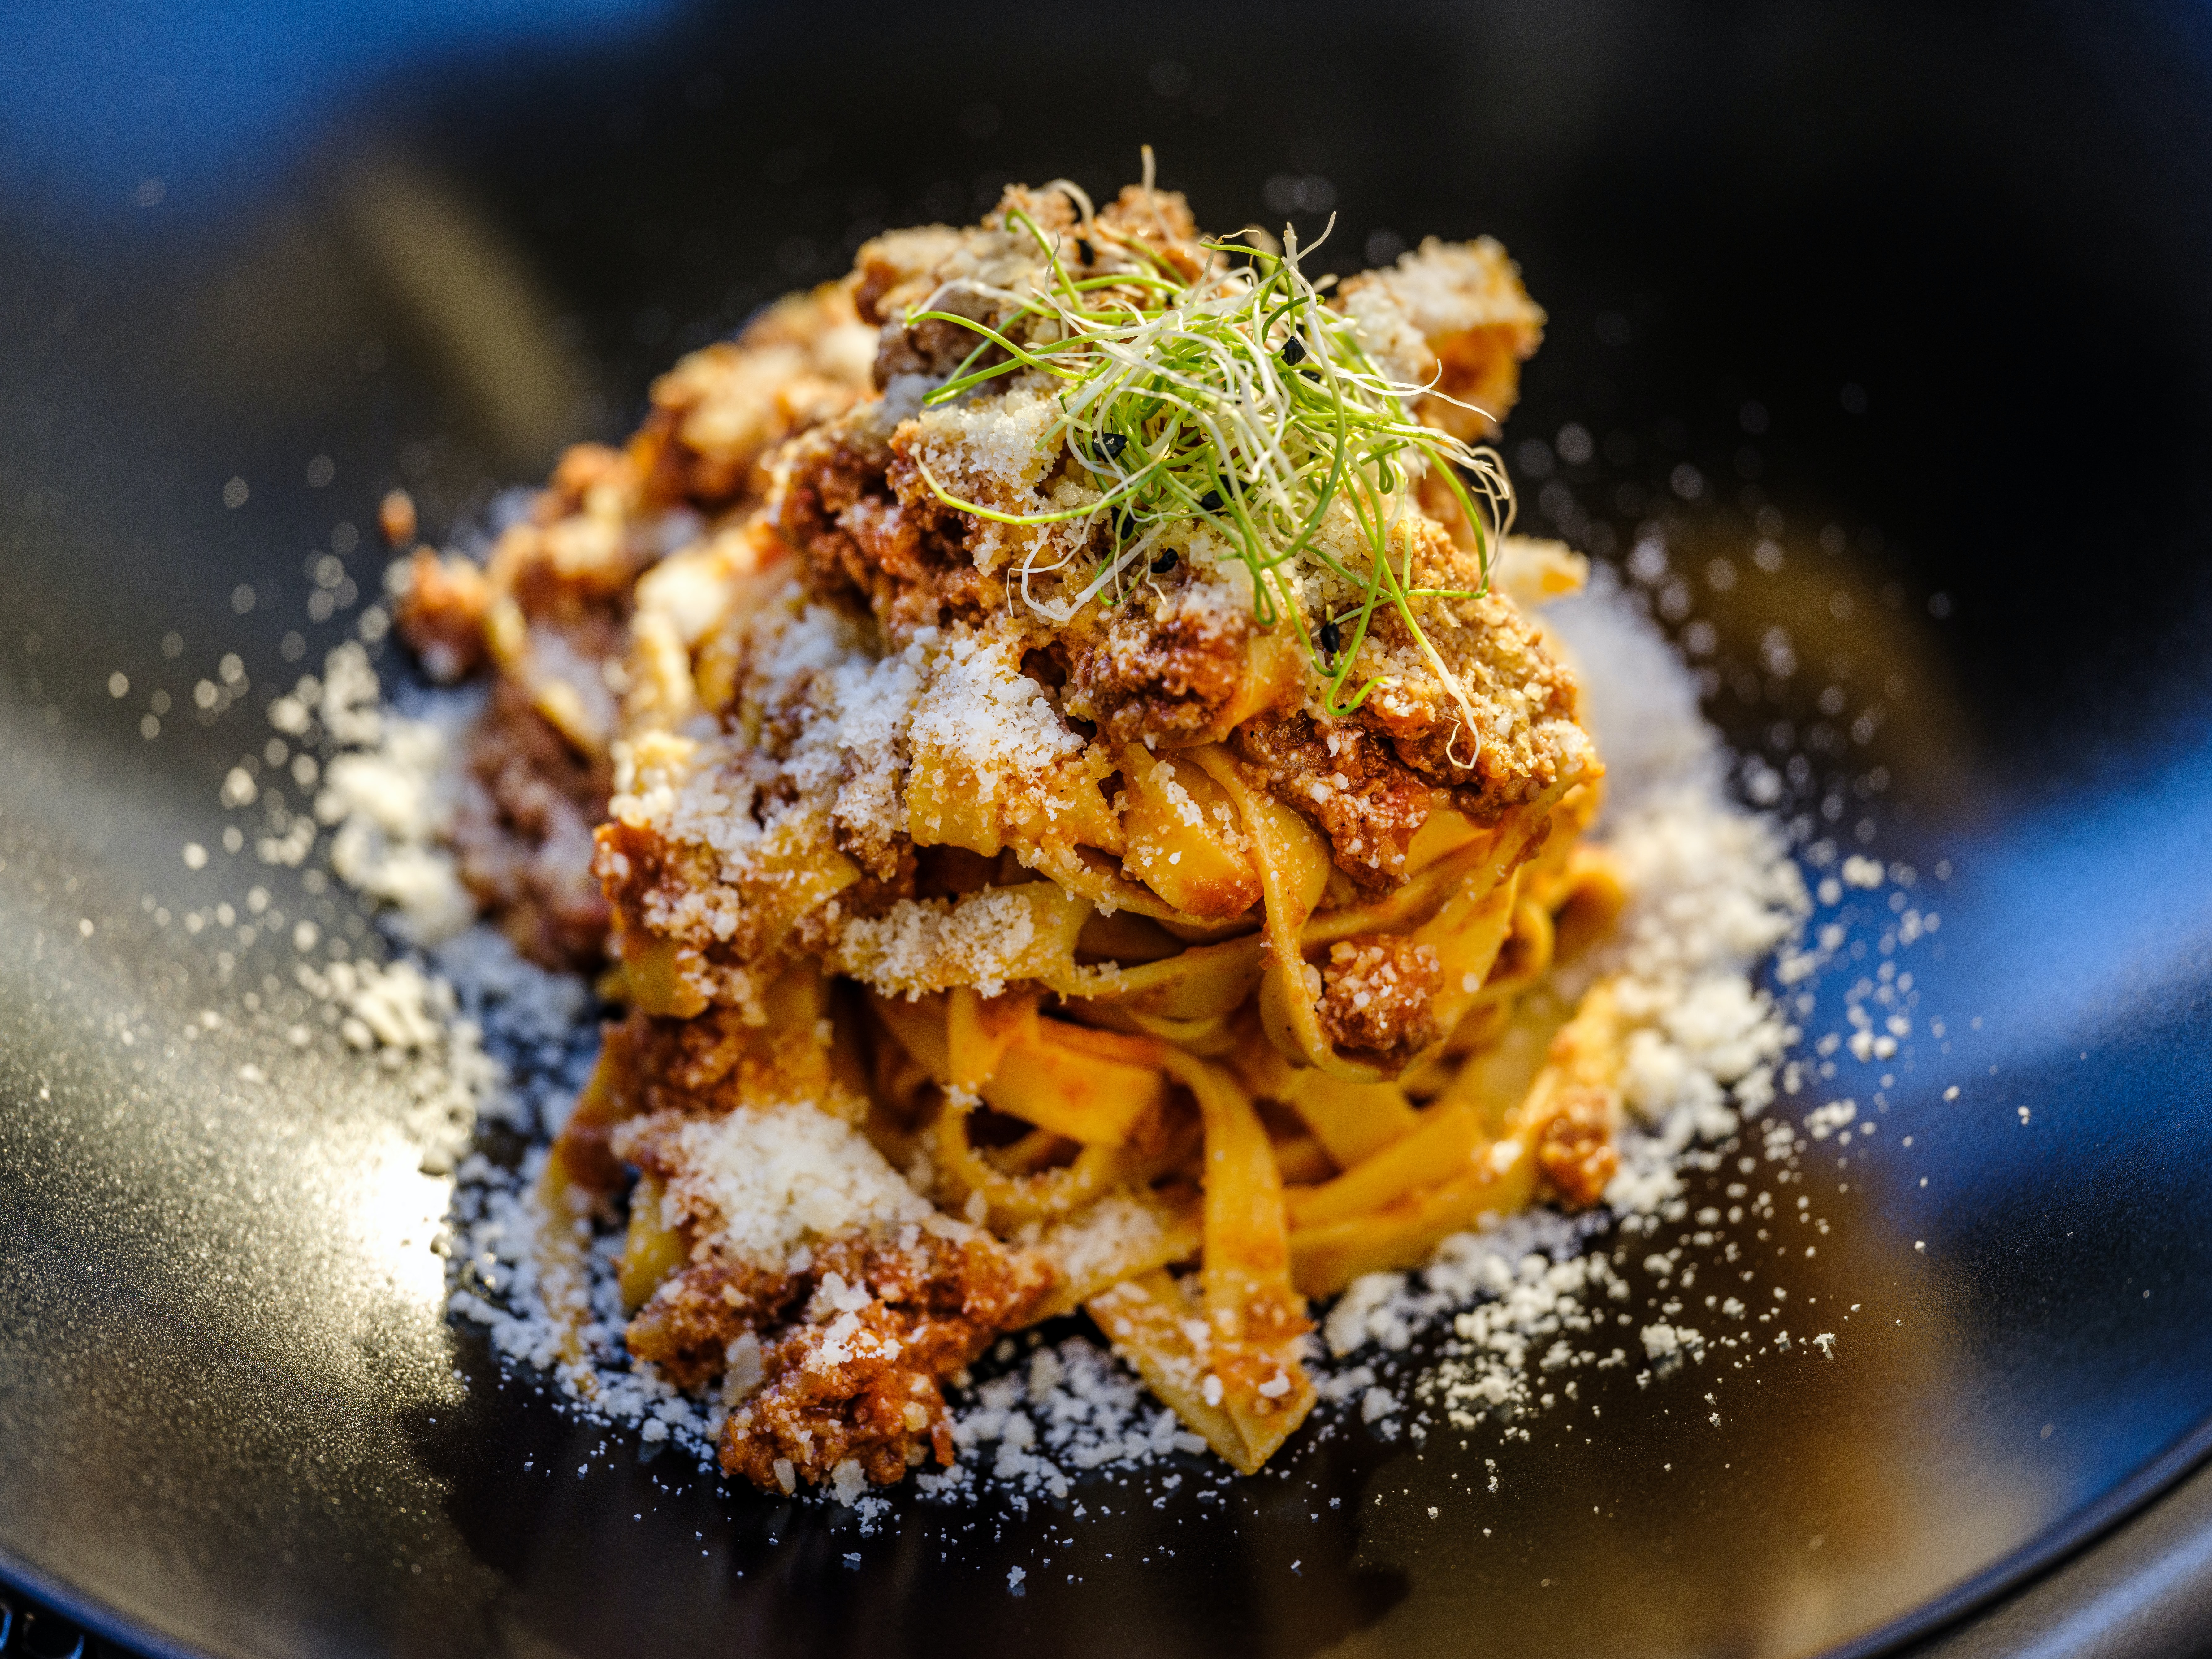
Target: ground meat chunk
(896, 548)
(523, 832)
(688, 1325)
(851, 1347)
(1576, 1151)
(902, 270)
(442, 613)
(852, 494)
(852, 501)
(396, 518)
(840, 1393)
(727, 941)
(711, 1061)
(1452, 316)
(581, 469)
(1526, 745)
(718, 414)
(1173, 678)
(572, 561)
(1377, 992)
(827, 474)
(1368, 803)
(646, 878)
(654, 1064)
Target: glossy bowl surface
(1929, 286)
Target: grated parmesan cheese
(979, 712)
(758, 1182)
(921, 946)
(1518, 1306)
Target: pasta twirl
(1087, 827)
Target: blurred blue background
(109, 106)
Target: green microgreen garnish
(1239, 400)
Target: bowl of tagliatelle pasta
(1105, 902)
(1090, 815)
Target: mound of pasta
(1065, 772)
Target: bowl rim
(1951, 1612)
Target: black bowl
(1923, 288)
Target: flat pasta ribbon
(1223, 1352)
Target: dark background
(1955, 254)
(1923, 286)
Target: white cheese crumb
(848, 1481)
(758, 1182)
(920, 945)
(1659, 1341)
